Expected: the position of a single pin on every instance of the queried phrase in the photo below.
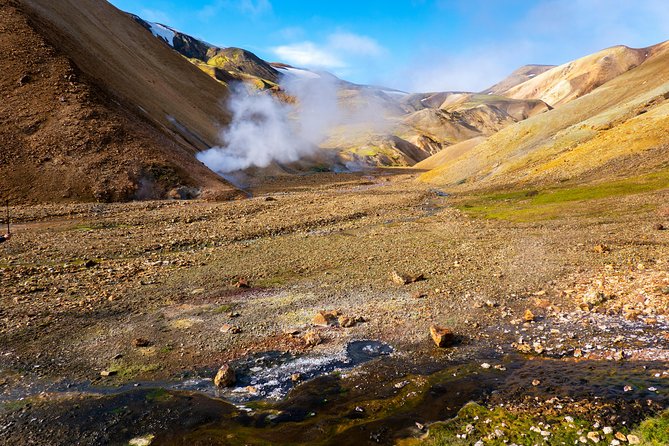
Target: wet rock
(346, 322)
(106, 373)
(312, 338)
(228, 328)
(442, 337)
(225, 377)
(404, 279)
(528, 316)
(140, 342)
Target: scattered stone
(420, 426)
(528, 316)
(405, 279)
(593, 436)
(360, 320)
(146, 440)
(312, 338)
(325, 318)
(225, 377)
(270, 199)
(442, 337)
(228, 328)
(90, 263)
(618, 355)
(140, 342)
(251, 389)
(620, 436)
(608, 430)
(627, 388)
(535, 382)
(485, 365)
(346, 322)
(491, 304)
(106, 373)
(419, 295)
(233, 314)
(296, 377)
(633, 439)
(242, 283)
(601, 249)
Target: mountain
(522, 74)
(619, 129)
(572, 80)
(95, 109)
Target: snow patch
(163, 32)
(305, 74)
(395, 92)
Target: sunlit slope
(572, 80)
(621, 128)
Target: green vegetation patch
(533, 205)
(500, 426)
(654, 431)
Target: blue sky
(415, 45)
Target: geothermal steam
(264, 129)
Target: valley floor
(148, 294)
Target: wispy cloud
(155, 15)
(338, 51)
(308, 54)
(251, 8)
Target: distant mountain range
(103, 105)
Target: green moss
(532, 205)
(500, 426)
(125, 371)
(159, 396)
(225, 308)
(654, 431)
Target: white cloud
(355, 44)
(339, 51)
(308, 54)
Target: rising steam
(264, 129)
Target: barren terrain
(95, 296)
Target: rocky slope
(94, 120)
(522, 74)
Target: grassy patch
(159, 396)
(126, 371)
(654, 431)
(225, 308)
(500, 426)
(533, 205)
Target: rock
(528, 316)
(324, 318)
(108, 373)
(296, 377)
(140, 342)
(312, 338)
(442, 337)
(233, 314)
(618, 355)
(633, 439)
(270, 199)
(601, 249)
(593, 436)
(26, 78)
(620, 436)
(418, 295)
(346, 322)
(404, 279)
(608, 430)
(535, 382)
(225, 377)
(627, 389)
(90, 263)
(522, 347)
(228, 328)
(242, 283)
(485, 365)
(491, 304)
(659, 227)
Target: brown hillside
(519, 76)
(66, 138)
(619, 129)
(579, 77)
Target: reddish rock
(442, 337)
(312, 338)
(346, 322)
(140, 342)
(528, 316)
